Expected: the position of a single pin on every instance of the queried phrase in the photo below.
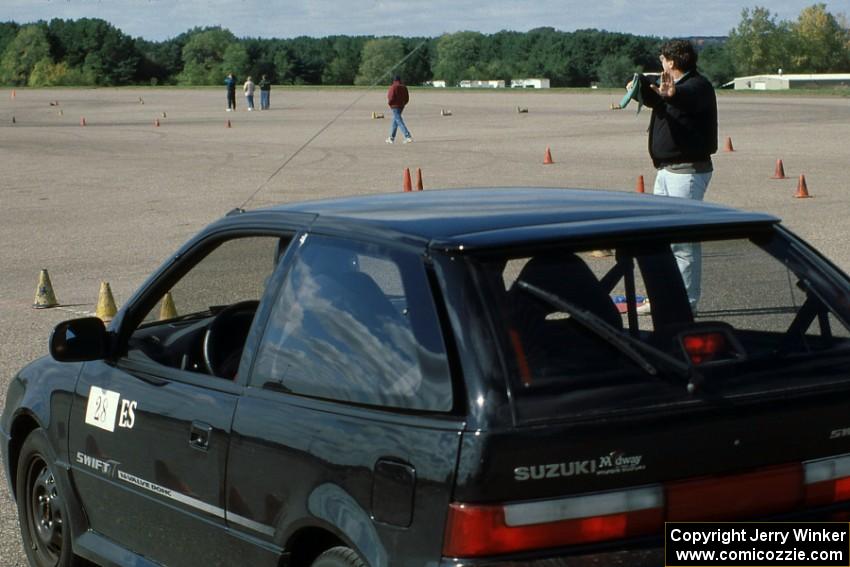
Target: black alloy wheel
(41, 508)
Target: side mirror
(79, 340)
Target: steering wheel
(225, 338)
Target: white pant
(688, 254)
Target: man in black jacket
(682, 137)
(230, 85)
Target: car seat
(571, 280)
(547, 343)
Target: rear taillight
(752, 494)
(479, 530)
(827, 480)
(473, 530)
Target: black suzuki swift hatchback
(474, 377)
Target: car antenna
(326, 126)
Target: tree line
(93, 52)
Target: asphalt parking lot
(111, 200)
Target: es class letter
(128, 414)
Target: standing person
(230, 85)
(248, 88)
(265, 93)
(397, 98)
(682, 137)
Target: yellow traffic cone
(106, 309)
(167, 310)
(44, 296)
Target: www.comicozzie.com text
(727, 536)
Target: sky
(162, 19)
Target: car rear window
(586, 331)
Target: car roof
(483, 218)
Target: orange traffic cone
(419, 179)
(406, 181)
(728, 146)
(13, 94)
(82, 120)
(640, 187)
(547, 159)
(779, 172)
(156, 122)
(802, 189)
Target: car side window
(236, 270)
(355, 322)
(201, 323)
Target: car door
(149, 432)
(348, 425)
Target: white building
(529, 83)
(482, 84)
(789, 81)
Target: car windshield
(649, 322)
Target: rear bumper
(633, 558)
(646, 551)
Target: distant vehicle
(440, 378)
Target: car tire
(42, 510)
(339, 557)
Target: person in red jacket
(397, 98)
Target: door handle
(199, 435)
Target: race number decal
(102, 408)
